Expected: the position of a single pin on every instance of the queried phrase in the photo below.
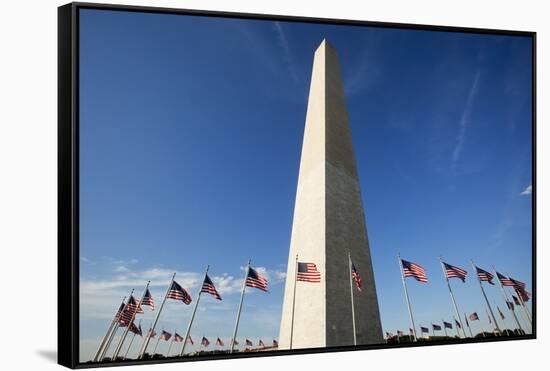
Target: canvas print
(264, 186)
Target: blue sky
(191, 131)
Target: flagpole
(108, 345)
(485, 296)
(148, 337)
(193, 314)
(468, 323)
(523, 316)
(131, 342)
(157, 344)
(506, 300)
(113, 323)
(293, 302)
(452, 296)
(171, 343)
(115, 330)
(407, 296)
(456, 327)
(525, 309)
(240, 308)
(528, 321)
(352, 305)
(123, 339)
(433, 329)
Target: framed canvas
(241, 185)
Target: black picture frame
(68, 176)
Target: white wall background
(28, 180)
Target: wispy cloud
(102, 294)
(287, 53)
(527, 191)
(464, 121)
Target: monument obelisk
(328, 224)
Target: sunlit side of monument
(328, 225)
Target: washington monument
(329, 227)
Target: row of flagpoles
(126, 315)
(412, 270)
(306, 272)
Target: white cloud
(283, 42)
(527, 191)
(464, 120)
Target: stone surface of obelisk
(328, 223)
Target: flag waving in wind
(255, 280)
(505, 281)
(209, 288)
(484, 276)
(148, 300)
(474, 317)
(178, 338)
(414, 270)
(165, 335)
(500, 313)
(205, 342)
(356, 277)
(307, 272)
(178, 293)
(454, 272)
(219, 342)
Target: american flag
(510, 305)
(209, 288)
(424, 329)
(457, 323)
(177, 292)
(522, 293)
(219, 342)
(165, 335)
(235, 342)
(356, 277)
(178, 338)
(148, 300)
(411, 331)
(307, 272)
(248, 343)
(190, 340)
(275, 343)
(254, 279)
(133, 306)
(129, 311)
(389, 334)
(505, 281)
(205, 342)
(516, 300)
(474, 317)
(447, 325)
(500, 313)
(400, 333)
(484, 275)
(414, 270)
(152, 333)
(135, 329)
(261, 343)
(517, 283)
(436, 327)
(454, 272)
(120, 309)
